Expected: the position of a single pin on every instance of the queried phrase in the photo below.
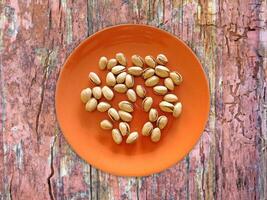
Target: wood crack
(50, 190)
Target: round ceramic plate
(81, 128)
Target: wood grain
(230, 39)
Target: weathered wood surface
(230, 39)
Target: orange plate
(81, 128)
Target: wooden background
(230, 39)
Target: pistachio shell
(94, 78)
(162, 59)
(132, 137)
(152, 81)
(147, 128)
(125, 116)
(86, 94)
(176, 77)
(140, 91)
(138, 60)
(91, 105)
(162, 122)
(150, 61)
(153, 115)
(103, 106)
(148, 72)
(131, 95)
(121, 77)
(129, 81)
(147, 103)
(155, 135)
(116, 135)
(177, 109)
(126, 106)
(166, 106)
(113, 114)
(97, 92)
(172, 98)
(107, 93)
(169, 83)
(124, 128)
(120, 88)
(135, 71)
(162, 71)
(110, 79)
(160, 90)
(120, 57)
(102, 63)
(111, 63)
(106, 124)
(118, 69)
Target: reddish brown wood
(230, 39)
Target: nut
(162, 59)
(91, 105)
(86, 94)
(118, 69)
(106, 124)
(124, 128)
(94, 78)
(160, 90)
(102, 63)
(116, 135)
(147, 128)
(166, 106)
(131, 95)
(132, 137)
(153, 115)
(176, 77)
(162, 122)
(150, 61)
(113, 114)
(152, 81)
(121, 77)
(155, 135)
(135, 71)
(97, 92)
(172, 98)
(177, 109)
(129, 81)
(126, 106)
(125, 116)
(107, 93)
(103, 106)
(162, 71)
(138, 60)
(169, 83)
(140, 91)
(147, 103)
(110, 79)
(148, 72)
(121, 58)
(111, 63)
(120, 88)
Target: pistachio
(86, 94)
(152, 81)
(177, 109)
(118, 69)
(110, 79)
(148, 72)
(116, 135)
(97, 92)
(132, 137)
(102, 63)
(107, 93)
(162, 71)
(121, 77)
(135, 71)
(140, 91)
(166, 106)
(138, 60)
(126, 106)
(147, 103)
(91, 105)
(169, 83)
(106, 124)
(120, 57)
(155, 135)
(147, 128)
(124, 128)
(162, 122)
(129, 81)
(113, 114)
(172, 98)
(150, 61)
(125, 116)
(162, 59)
(160, 90)
(153, 115)
(131, 95)
(120, 88)
(94, 78)
(176, 77)
(112, 63)
(103, 106)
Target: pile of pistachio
(121, 80)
